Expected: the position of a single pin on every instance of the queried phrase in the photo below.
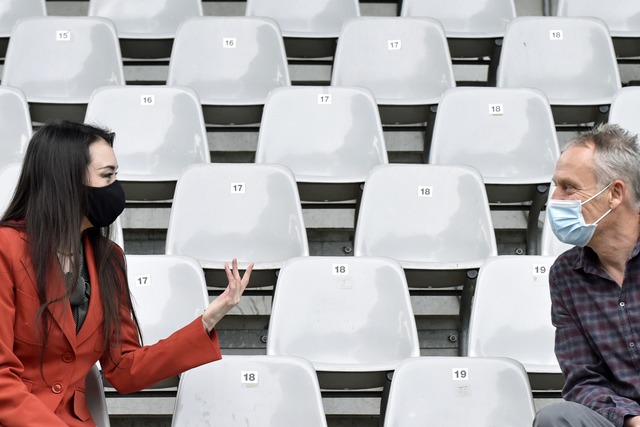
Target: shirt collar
(587, 258)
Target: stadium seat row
(471, 27)
(330, 138)
(432, 391)
(425, 391)
(433, 219)
(404, 61)
(355, 330)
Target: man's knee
(551, 415)
(568, 414)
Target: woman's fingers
(230, 297)
(247, 275)
(237, 284)
(227, 270)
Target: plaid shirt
(598, 332)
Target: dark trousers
(569, 414)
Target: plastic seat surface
(426, 217)
(507, 134)
(146, 28)
(242, 61)
(623, 20)
(511, 314)
(324, 134)
(570, 59)
(88, 45)
(168, 293)
(246, 211)
(352, 315)
(159, 132)
(240, 391)
(146, 18)
(117, 233)
(403, 61)
(445, 391)
(96, 400)
(466, 19)
(625, 109)
(309, 19)
(12, 10)
(15, 125)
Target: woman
(64, 297)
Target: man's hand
(632, 421)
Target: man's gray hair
(616, 156)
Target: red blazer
(55, 394)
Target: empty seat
(405, 62)
(250, 212)
(351, 317)
(625, 109)
(96, 400)
(508, 134)
(570, 59)
(330, 137)
(458, 391)
(623, 21)
(146, 28)
(233, 72)
(15, 125)
(11, 11)
(159, 132)
(240, 391)
(434, 220)
(474, 28)
(511, 316)
(310, 28)
(168, 292)
(80, 53)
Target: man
(595, 287)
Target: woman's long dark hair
(49, 203)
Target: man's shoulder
(568, 258)
(565, 263)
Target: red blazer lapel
(95, 312)
(60, 310)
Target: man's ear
(618, 193)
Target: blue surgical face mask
(568, 223)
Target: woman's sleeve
(18, 407)
(130, 367)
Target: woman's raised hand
(230, 297)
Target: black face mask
(105, 204)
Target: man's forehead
(576, 162)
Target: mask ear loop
(593, 197)
(596, 195)
(605, 214)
